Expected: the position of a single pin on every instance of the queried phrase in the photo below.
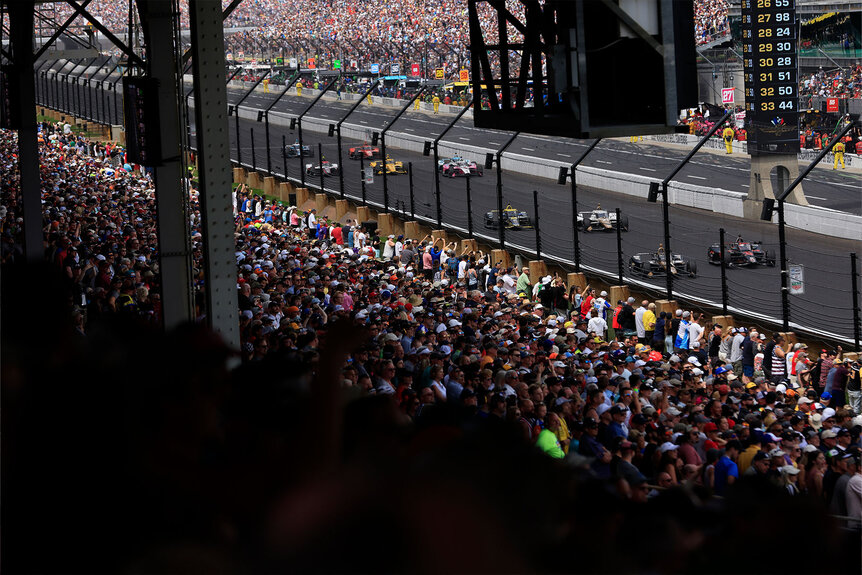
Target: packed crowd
(710, 21)
(370, 31)
(644, 395)
(840, 83)
(418, 335)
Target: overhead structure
(154, 122)
(582, 68)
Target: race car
(327, 167)
(740, 254)
(292, 151)
(648, 264)
(601, 220)
(363, 151)
(512, 219)
(391, 166)
(458, 166)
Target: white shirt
(639, 321)
(359, 240)
(695, 330)
(598, 325)
(508, 283)
(439, 387)
(311, 220)
(736, 348)
(462, 269)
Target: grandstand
(261, 317)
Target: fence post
(619, 248)
(362, 176)
(268, 147)
(238, 139)
(412, 199)
(782, 246)
(284, 154)
(469, 210)
(723, 272)
(253, 154)
(538, 231)
(855, 289)
(320, 159)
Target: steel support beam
(214, 173)
(171, 202)
(21, 22)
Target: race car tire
(692, 269)
(770, 259)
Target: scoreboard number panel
(770, 62)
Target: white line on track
(564, 155)
(362, 122)
(529, 149)
(494, 143)
(647, 169)
(410, 129)
(816, 198)
(603, 162)
(463, 138)
(696, 177)
(744, 185)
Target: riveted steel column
(207, 33)
(21, 19)
(157, 20)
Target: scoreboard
(770, 61)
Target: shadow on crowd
(133, 451)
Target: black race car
(292, 151)
(740, 254)
(653, 264)
(512, 219)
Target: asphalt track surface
(825, 307)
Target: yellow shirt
(838, 148)
(727, 133)
(563, 434)
(649, 320)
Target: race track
(825, 307)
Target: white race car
(602, 220)
(328, 169)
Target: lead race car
(292, 151)
(512, 219)
(326, 167)
(602, 220)
(458, 166)
(741, 254)
(653, 264)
